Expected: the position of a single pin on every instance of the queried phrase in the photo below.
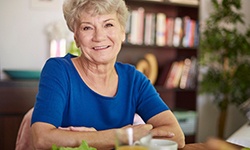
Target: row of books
(159, 29)
(182, 74)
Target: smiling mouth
(101, 47)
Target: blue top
(65, 100)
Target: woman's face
(99, 37)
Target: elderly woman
(91, 96)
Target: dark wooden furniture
(174, 98)
(16, 98)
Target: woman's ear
(76, 41)
(123, 37)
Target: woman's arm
(165, 125)
(45, 135)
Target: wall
(23, 40)
(208, 112)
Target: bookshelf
(176, 98)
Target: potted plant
(225, 55)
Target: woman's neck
(101, 78)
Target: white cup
(125, 140)
(158, 144)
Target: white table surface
(241, 136)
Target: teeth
(100, 47)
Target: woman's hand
(140, 130)
(79, 129)
(167, 128)
(161, 132)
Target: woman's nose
(99, 35)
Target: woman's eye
(86, 28)
(109, 25)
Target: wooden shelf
(16, 98)
(163, 2)
(175, 98)
(171, 9)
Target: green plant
(83, 146)
(73, 49)
(225, 54)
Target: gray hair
(73, 8)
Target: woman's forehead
(90, 15)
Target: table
(194, 146)
(219, 144)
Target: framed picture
(46, 4)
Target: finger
(141, 130)
(82, 129)
(148, 126)
(61, 128)
(162, 133)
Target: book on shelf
(171, 75)
(190, 28)
(177, 36)
(186, 31)
(152, 29)
(161, 29)
(192, 32)
(169, 31)
(141, 13)
(182, 74)
(192, 74)
(174, 75)
(128, 29)
(137, 26)
(149, 30)
(134, 26)
(178, 74)
(196, 34)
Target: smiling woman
(89, 97)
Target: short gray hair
(73, 8)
